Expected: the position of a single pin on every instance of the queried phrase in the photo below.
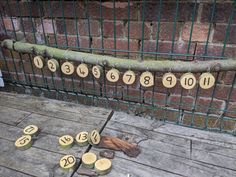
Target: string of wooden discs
(146, 79)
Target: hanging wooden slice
(147, 79)
(82, 70)
(89, 159)
(24, 142)
(103, 166)
(38, 62)
(129, 77)
(31, 130)
(66, 141)
(97, 71)
(169, 80)
(82, 139)
(68, 162)
(188, 81)
(94, 137)
(53, 65)
(67, 68)
(206, 80)
(113, 75)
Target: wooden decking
(167, 150)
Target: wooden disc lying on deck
(89, 159)
(82, 139)
(24, 142)
(94, 137)
(68, 162)
(66, 141)
(103, 166)
(31, 130)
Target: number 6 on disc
(67, 68)
(68, 162)
(129, 77)
(147, 79)
(113, 75)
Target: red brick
(199, 33)
(94, 27)
(8, 24)
(203, 105)
(215, 50)
(25, 9)
(186, 103)
(165, 47)
(222, 12)
(47, 26)
(220, 34)
(166, 30)
(67, 26)
(136, 29)
(226, 77)
(168, 11)
(28, 25)
(121, 10)
(57, 7)
(231, 111)
(131, 94)
(108, 29)
(112, 91)
(121, 44)
(154, 98)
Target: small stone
(87, 172)
(107, 154)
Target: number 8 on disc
(147, 79)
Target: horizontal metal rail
(150, 65)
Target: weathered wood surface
(54, 118)
(182, 153)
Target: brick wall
(82, 26)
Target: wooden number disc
(97, 71)
(68, 162)
(67, 68)
(169, 80)
(89, 159)
(82, 138)
(147, 79)
(38, 62)
(113, 75)
(188, 81)
(24, 142)
(31, 130)
(94, 137)
(82, 70)
(206, 80)
(66, 141)
(103, 166)
(53, 65)
(129, 77)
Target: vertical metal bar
(64, 23)
(143, 23)
(128, 36)
(41, 19)
(76, 22)
(32, 23)
(114, 15)
(51, 16)
(158, 26)
(89, 30)
(101, 25)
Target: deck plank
(7, 172)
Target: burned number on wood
(67, 162)
(188, 81)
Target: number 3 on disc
(147, 79)
(67, 68)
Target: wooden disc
(89, 159)
(53, 65)
(67, 68)
(68, 162)
(147, 79)
(97, 71)
(82, 138)
(103, 166)
(113, 75)
(188, 81)
(94, 137)
(66, 141)
(169, 80)
(82, 70)
(38, 62)
(31, 130)
(206, 80)
(129, 77)
(24, 142)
